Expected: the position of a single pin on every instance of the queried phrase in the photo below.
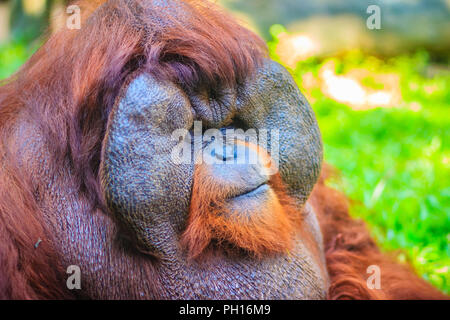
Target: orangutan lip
(259, 189)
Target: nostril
(225, 153)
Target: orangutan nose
(237, 166)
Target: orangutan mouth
(264, 187)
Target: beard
(261, 222)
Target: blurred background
(381, 92)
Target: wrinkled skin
(149, 196)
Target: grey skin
(149, 196)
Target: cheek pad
(145, 190)
(271, 100)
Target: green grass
(394, 162)
(13, 54)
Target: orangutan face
(225, 226)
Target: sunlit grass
(395, 158)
